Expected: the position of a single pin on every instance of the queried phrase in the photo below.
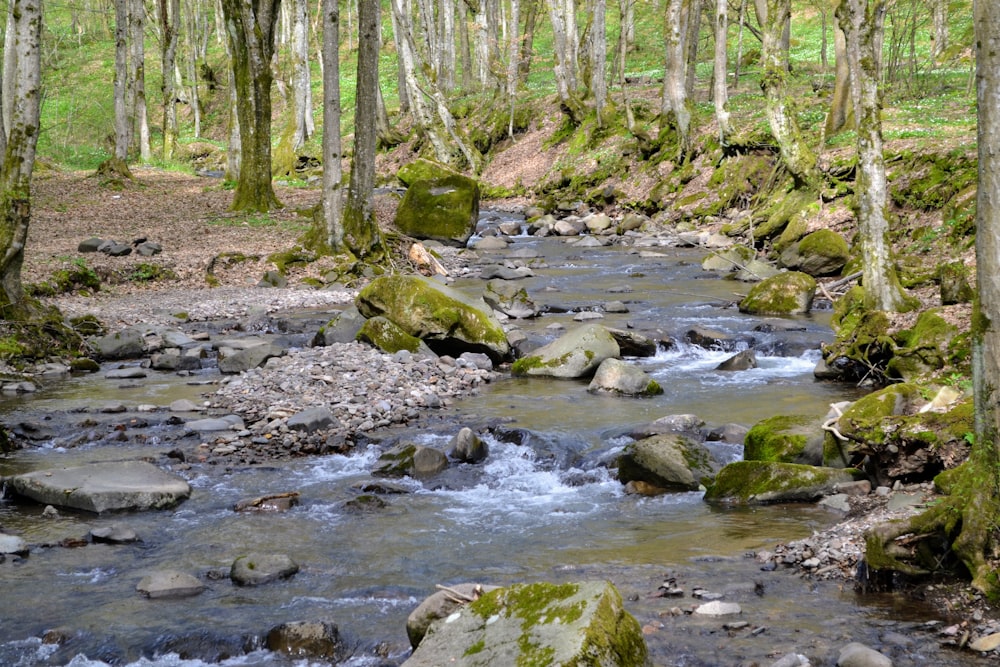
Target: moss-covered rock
(575, 354)
(537, 624)
(955, 282)
(922, 349)
(388, 337)
(443, 209)
(615, 376)
(735, 182)
(423, 169)
(758, 482)
(785, 439)
(789, 293)
(822, 253)
(728, 260)
(444, 318)
(668, 461)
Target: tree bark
(862, 22)
(527, 44)
(676, 108)
(798, 158)
(940, 42)
(302, 81)
(19, 158)
(169, 25)
(332, 209)
(721, 91)
(599, 59)
(691, 43)
(137, 75)
(121, 81)
(841, 111)
(250, 27)
(361, 234)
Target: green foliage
(146, 272)
(76, 277)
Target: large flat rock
(103, 487)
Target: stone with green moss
(728, 260)
(620, 378)
(575, 354)
(445, 319)
(388, 337)
(443, 209)
(782, 210)
(759, 482)
(954, 278)
(423, 169)
(922, 349)
(785, 439)
(789, 293)
(668, 461)
(537, 625)
(822, 253)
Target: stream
(544, 509)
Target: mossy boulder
(729, 260)
(537, 624)
(342, 328)
(789, 293)
(669, 461)
(423, 169)
(759, 482)
(387, 336)
(822, 253)
(955, 282)
(510, 299)
(615, 376)
(922, 349)
(575, 354)
(445, 319)
(409, 459)
(443, 209)
(785, 439)
(862, 348)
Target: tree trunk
(361, 234)
(599, 59)
(446, 65)
(527, 44)
(940, 42)
(19, 158)
(565, 59)
(676, 109)
(691, 43)
(721, 77)
(121, 81)
(397, 32)
(250, 26)
(513, 54)
(169, 25)
(626, 36)
(137, 75)
(862, 22)
(332, 227)
(841, 111)
(302, 81)
(796, 155)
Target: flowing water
(543, 509)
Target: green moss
(787, 293)
(929, 181)
(476, 648)
(286, 259)
(445, 209)
(783, 210)
(763, 481)
(779, 438)
(387, 336)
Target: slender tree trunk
(841, 112)
(122, 124)
(9, 65)
(739, 45)
(465, 46)
(527, 44)
(137, 75)
(446, 20)
(361, 234)
(863, 21)
(599, 59)
(397, 32)
(19, 157)
(513, 65)
(169, 25)
(565, 61)
(332, 218)
(676, 108)
(302, 88)
(721, 92)
(940, 42)
(250, 26)
(194, 98)
(796, 155)
(691, 43)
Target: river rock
(718, 608)
(491, 243)
(710, 339)
(859, 655)
(821, 253)
(505, 272)
(615, 376)
(12, 544)
(310, 420)
(786, 439)
(236, 361)
(407, 458)
(439, 315)
(575, 354)
(632, 344)
(509, 299)
(444, 208)
(540, 623)
(172, 359)
(169, 584)
(257, 568)
(115, 533)
(987, 643)
(103, 487)
(132, 373)
(342, 328)
(213, 424)
(129, 343)
(755, 271)
(728, 260)
(274, 502)
(792, 660)
(90, 245)
(741, 361)
(789, 293)
(313, 640)
(754, 482)
(598, 223)
(387, 336)
(428, 461)
(468, 447)
(669, 461)
(441, 605)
